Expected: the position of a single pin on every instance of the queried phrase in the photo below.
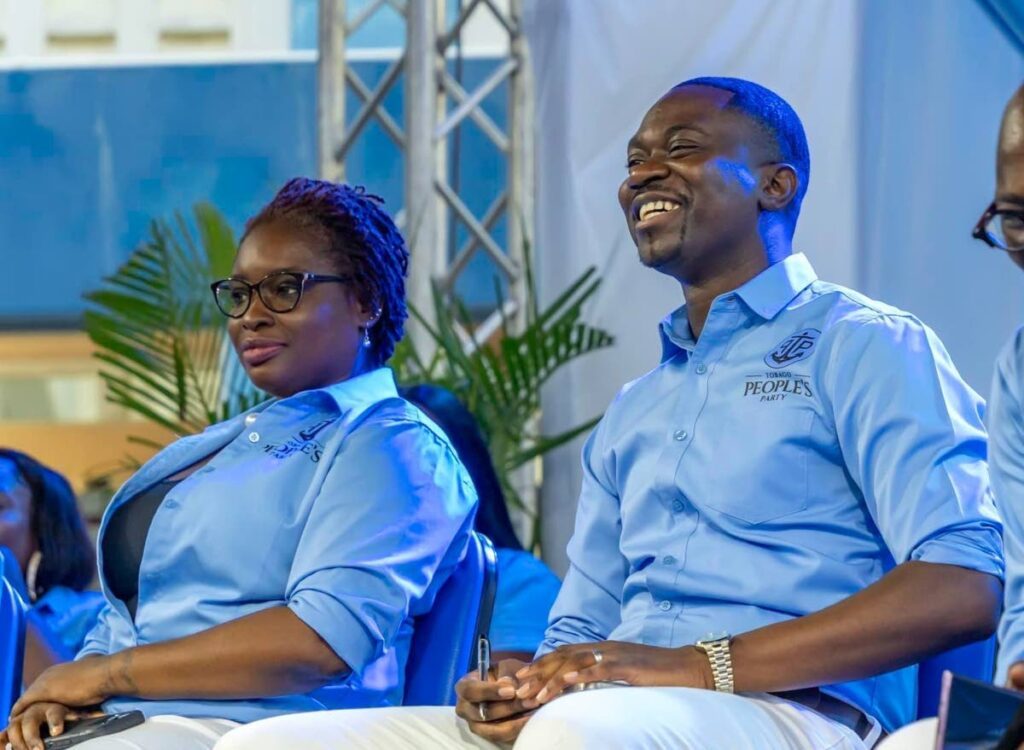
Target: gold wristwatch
(716, 648)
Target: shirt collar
(766, 295)
(353, 394)
(363, 390)
(775, 287)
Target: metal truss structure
(436, 105)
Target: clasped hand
(62, 693)
(498, 708)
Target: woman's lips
(255, 356)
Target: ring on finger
(598, 656)
(482, 708)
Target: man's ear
(779, 184)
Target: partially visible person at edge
(275, 562)
(526, 586)
(51, 560)
(793, 505)
(1002, 227)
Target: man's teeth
(656, 207)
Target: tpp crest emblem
(795, 348)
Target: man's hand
(24, 730)
(87, 682)
(1015, 676)
(490, 706)
(611, 661)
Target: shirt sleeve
(1006, 457)
(911, 434)
(589, 603)
(390, 522)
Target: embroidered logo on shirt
(794, 349)
(775, 386)
(303, 442)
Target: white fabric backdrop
(599, 65)
(934, 87)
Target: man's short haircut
(777, 119)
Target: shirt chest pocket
(755, 461)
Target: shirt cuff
(90, 651)
(340, 629)
(977, 549)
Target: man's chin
(657, 257)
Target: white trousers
(614, 718)
(165, 733)
(917, 736)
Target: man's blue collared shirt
(344, 504)
(1006, 456)
(810, 440)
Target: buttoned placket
(162, 524)
(695, 372)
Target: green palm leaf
(161, 342)
(500, 383)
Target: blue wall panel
(89, 156)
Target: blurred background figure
(53, 556)
(526, 586)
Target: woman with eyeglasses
(274, 563)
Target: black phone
(977, 715)
(81, 730)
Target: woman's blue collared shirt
(344, 504)
(806, 443)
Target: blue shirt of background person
(52, 560)
(526, 586)
(283, 570)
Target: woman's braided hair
(360, 236)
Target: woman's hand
(87, 682)
(611, 661)
(24, 730)
(490, 706)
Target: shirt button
(254, 437)
(668, 560)
(678, 506)
(250, 418)
(680, 435)
(702, 368)
(172, 504)
(665, 605)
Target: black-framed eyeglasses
(1001, 228)
(279, 291)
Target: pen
(483, 657)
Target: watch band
(720, 658)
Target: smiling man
(775, 522)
